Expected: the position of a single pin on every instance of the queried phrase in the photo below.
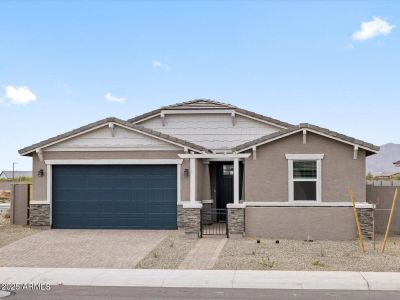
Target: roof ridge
(210, 101)
(238, 109)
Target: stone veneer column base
(179, 216)
(366, 217)
(191, 220)
(39, 215)
(236, 222)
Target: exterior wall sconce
(186, 172)
(40, 173)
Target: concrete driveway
(82, 248)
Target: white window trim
(291, 180)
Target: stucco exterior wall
(314, 223)
(39, 184)
(266, 178)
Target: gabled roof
(208, 104)
(9, 174)
(100, 123)
(309, 127)
(199, 104)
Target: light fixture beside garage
(40, 173)
(186, 172)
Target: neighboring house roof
(94, 125)
(208, 104)
(9, 174)
(309, 127)
(387, 174)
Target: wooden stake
(353, 200)
(396, 192)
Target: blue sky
(65, 64)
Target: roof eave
(372, 149)
(27, 151)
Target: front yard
(247, 254)
(238, 254)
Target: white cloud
(19, 95)
(372, 29)
(110, 97)
(158, 64)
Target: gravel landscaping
(247, 254)
(11, 233)
(169, 253)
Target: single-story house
(15, 174)
(167, 168)
(387, 176)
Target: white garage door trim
(50, 163)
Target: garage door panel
(114, 196)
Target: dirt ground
(11, 233)
(169, 253)
(247, 254)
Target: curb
(203, 278)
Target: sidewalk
(203, 278)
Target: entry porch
(215, 205)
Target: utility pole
(14, 163)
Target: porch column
(193, 180)
(206, 181)
(236, 181)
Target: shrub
(317, 263)
(269, 263)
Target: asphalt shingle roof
(293, 129)
(208, 104)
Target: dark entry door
(114, 196)
(225, 183)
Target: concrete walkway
(204, 254)
(204, 278)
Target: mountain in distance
(383, 161)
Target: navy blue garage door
(114, 196)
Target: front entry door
(224, 184)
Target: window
(227, 170)
(305, 180)
(304, 177)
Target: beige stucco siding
(266, 178)
(315, 223)
(39, 184)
